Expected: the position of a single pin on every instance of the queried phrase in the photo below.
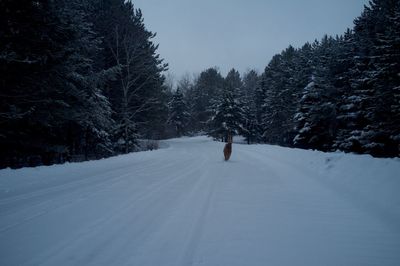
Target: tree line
(83, 80)
(337, 93)
(79, 80)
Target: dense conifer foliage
(79, 80)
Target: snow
(183, 205)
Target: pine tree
(250, 85)
(375, 80)
(227, 113)
(178, 115)
(224, 120)
(207, 90)
(92, 113)
(347, 116)
(74, 58)
(277, 120)
(187, 84)
(316, 119)
(137, 93)
(48, 65)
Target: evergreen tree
(277, 120)
(316, 119)
(137, 93)
(62, 64)
(187, 84)
(227, 111)
(250, 85)
(226, 117)
(207, 89)
(47, 65)
(260, 97)
(375, 80)
(178, 115)
(347, 116)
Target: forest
(83, 80)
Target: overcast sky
(197, 34)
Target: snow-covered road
(184, 205)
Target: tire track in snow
(201, 217)
(60, 188)
(81, 194)
(58, 206)
(62, 200)
(117, 217)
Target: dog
(228, 148)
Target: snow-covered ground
(183, 205)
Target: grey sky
(197, 34)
